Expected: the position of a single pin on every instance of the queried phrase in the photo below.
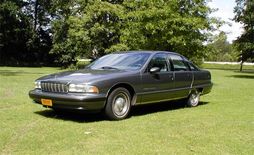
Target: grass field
(222, 124)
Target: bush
(82, 64)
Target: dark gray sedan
(116, 82)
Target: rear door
(183, 76)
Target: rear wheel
(193, 98)
(118, 104)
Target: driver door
(158, 86)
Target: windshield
(121, 61)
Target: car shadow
(246, 76)
(75, 116)
(139, 110)
(250, 71)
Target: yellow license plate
(46, 102)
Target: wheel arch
(199, 89)
(126, 86)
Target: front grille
(54, 87)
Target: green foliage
(109, 26)
(14, 30)
(63, 47)
(245, 43)
(25, 32)
(82, 64)
(220, 49)
(94, 26)
(117, 47)
(30, 30)
(168, 25)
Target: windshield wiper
(109, 67)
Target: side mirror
(154, 70)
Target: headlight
(37, 84)
(83, 88)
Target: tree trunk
(241, 67)
(35, 14)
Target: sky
(225, 12)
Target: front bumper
(70, 100)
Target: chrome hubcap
(121, 104)
(194, 99)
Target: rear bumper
(207, 88)
(70, 100)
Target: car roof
(153, 52)
(147, 51)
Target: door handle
(171, 77)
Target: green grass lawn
(222, 124)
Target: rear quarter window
(178, 63)
(193, 67)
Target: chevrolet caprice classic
(116, 82)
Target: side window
(193, 67)
(178, 63)
(159, 60)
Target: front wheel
(193, 98)
(118, 104)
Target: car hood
(82, 76)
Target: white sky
(226, 13)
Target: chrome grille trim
(54, 87)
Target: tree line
(46, 32)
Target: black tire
(118, 104)
(193, 99)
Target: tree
(174, 25)
(91, 26)
(244, 13)
(115, 25)
(25, 32)
(29, 29)
(62, 45)
(221, 49)
(41, 15)
(14, 32)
